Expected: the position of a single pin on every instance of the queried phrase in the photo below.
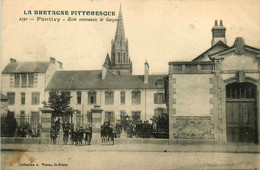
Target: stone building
(216, 96)
(114, 88)
(24, 84)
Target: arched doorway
(241, 112)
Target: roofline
(256, 50)
(75, 70)
(109, 88)
(191, 62)
(219, 42)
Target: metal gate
(241, 115)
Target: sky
(157, 31)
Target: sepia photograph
(152, 84)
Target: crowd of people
(76, 136)
(138, 128)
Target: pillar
(46, 124)
(96, 124)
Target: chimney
(146, 72)
(216, 23)
(221, 23)
(52, 60)
(12, 60)
(60, 64)
(104, 72)
(218, 33)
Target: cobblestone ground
(127, 160)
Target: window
(159, 83)
(91, 97)
(31, 79)
(159, 98)
(109, 117)
(122, 97)
(109, 97)
(24, 79)
(11, 80)
(159, 111)
(119, 57)
(79, 97)
(11, 98)
(136, 97)
(17, 80)
(35, 98)
(124, 58)
(136, 117)
(22, 98)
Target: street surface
(83, 159)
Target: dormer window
(159, 83)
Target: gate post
(96, 124)
(46, 124)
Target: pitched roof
(91, 80)
(219, 43)
(73, 80)
(107, 60)
(239, 46)
(25, 67)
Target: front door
(241, 117)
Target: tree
(59, 101)
(8, 125)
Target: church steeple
(120, 61)
(120, 32)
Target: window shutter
(155, 98)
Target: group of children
(76, 135)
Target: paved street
(128, 160)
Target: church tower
(218, 33)
(120, 60)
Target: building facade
(24, 84)
(216, 95)
(120, 94)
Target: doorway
(241, 112)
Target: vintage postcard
(152, 84)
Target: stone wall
(190, 127)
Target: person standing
(65, 135)
(88, 136)
(53, 135)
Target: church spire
(120, 60)
(120, 32)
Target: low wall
(19, 140)
(164, 141)
(23, 140)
